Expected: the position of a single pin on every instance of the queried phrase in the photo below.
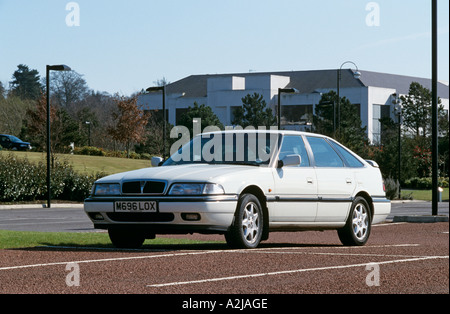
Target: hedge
(95, 151)
(22, 180)
(424, 183)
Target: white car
(244, 184)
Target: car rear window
(350, 159)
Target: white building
(372, 92)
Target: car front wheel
(356, 232)
(246, 231)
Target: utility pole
(434, 114)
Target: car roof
(270, 131)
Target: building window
(179, 113)
(379, 112)
(233, 111)
(296, 115)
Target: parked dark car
(13, 143)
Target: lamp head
(60, 67)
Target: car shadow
(101, 247)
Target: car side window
(294, 145)
(351, 160)
(324, 154)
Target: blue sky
(124, 46)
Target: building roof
(309, 81)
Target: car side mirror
(290, 160)
(156, 161)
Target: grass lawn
(88, 164)
(424, 195)
(22, 239)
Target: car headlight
(105, 189)
(196, 189)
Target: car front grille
(149, 187)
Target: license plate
(136, 207)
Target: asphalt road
(400, 258)
(71, 218)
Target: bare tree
(161, 82)
(68, 87)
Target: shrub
(95, 151)
(117, 154)
(392, 188)
(146, 156)
(424, 183)
(89, 150)
(134, 155)
(22, 180)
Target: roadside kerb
(421, 218)
(31, 206)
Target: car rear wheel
(246, 231)
(125, 239)
(359, 223)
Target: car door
(295, 186)
(335, 182)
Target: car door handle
(309, 180)
(348, 180)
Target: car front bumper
(215, 214)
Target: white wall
(225, 92)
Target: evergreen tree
(205, 113)
(254, 112)
(348, 128)
(25, 83)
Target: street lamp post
(89, 132)
(434, 109)
(398, 112)
(163, 89)
(356, 75)
(280, 91)
(47, 77)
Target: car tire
(357, 229)
(125, 239)
(247, 229)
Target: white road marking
(340, 254)
(389, 224)
(111, 259)
(290, 272)
(175, 255)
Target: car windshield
(14, 139)
(253, 149)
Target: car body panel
(298, 197)
(13, 143)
